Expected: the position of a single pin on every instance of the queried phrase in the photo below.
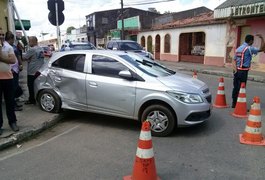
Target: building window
(167, 44)
(149, 44)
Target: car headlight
(188, 98)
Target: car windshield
(129, 46)
(147, 65)
(82, 47)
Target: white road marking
(38, 145)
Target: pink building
(243, 17)
(209, 37)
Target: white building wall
(215, 42)
(215, 38)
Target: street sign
(52, 14)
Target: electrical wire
(146, 2)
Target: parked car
(123, 85)
(77, 46)
(47, 52)
(128, 45)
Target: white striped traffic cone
(144, 165)
(252, 134)
(241, 104)
(220, 100)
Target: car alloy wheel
(49, 101)
(161, 119)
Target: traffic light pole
(122, 22)
(57, 25)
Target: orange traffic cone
(241, 104)
(195, 74)
(252, 134)
(220, 100)
(144, 165)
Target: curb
(29, 132)
(222, 73)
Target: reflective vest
(241, 56)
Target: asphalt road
(95, 147)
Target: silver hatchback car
(124, 85)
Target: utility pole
(122, 22)
(12, 10)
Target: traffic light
(52, 13)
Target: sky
(75, 11)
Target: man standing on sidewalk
(10, 38)
(35, 58)
(242, 61)
(7, 57)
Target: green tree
(69, 29)
(167, 12)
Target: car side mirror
(126, 74)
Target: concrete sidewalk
(257, 72)
(32, 120)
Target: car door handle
(57, 79)
(92, 84)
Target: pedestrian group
(11, 57)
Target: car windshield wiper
(144, 62)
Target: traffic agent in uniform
(242, 63)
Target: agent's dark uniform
(243, 59)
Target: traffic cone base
(239, 116)
(243, 141)
(218, 106)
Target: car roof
(76, 43)
(122, 41)
(93, 51)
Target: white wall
(215, 38)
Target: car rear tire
(161, 119)
(49, 101)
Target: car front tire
(161, 119)
(49, 101)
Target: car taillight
(37, 74)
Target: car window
(82, 47)
(106, 66)
(115, 45)
(73, 62)
(129, 46)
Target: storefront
(243, 17)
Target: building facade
(100, 23)
(4, 15)
(243, 17)
(198, 39)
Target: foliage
(69, 29)
(167, 12)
